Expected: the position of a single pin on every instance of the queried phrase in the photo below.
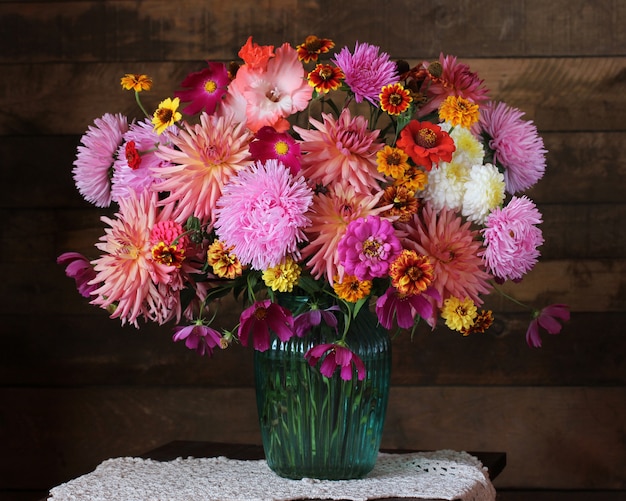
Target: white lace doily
(440, 475)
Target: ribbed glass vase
(318, 427)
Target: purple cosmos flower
(368, 247)
(303, 322)
(404, 308)
(258, 319)
(205, 88)
(268, 143)
(199, 337)
(548, 319)
(336, 357)
(80, 269)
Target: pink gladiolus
(548, 319)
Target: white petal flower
(484, 191)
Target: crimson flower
(393, 304)
(548, 319)
(336, 357)
(271, 144)
(258, 319)
(80, 269)
(204, 89)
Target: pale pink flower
(548, 319)
(335, 357)
(198, 337)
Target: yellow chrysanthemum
(457, 110)
(166, 114)
(392, 162)
(459, 315)
(136, 82)
(352, 289)
(283, 277)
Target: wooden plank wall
(75, 388)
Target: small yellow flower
(166, 114)
(283, 277)
(459, 315)
(352, 289)
(392, 162)
(457, 110)
(414, 178)
(136, 82)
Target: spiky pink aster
(335, 357)
(367, 70)
(516, 145)
(257, 320)
(204, 88)
(512, 239)
(548, 319)
(198, 337)
(203, 158)
(95, 157)
(341, 150)
(80, 269)
(268, 144)
(261, 214)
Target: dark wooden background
(75, 388)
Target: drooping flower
(204, 89)
(458, 111)
(516, 145)
(411, 273)
(225, 264)
(312, 47)
(367, 70)
(257, 320)
(199, 337)
(95, 157)
(351, 289)
(395, 99)
(335, 356)
(368, 247)
(202, 158)
(284, 276)
(484, 191)
(459, 314)
(426, 143)
(262, 214)
(548, 319)
(313, 317)
(325, 77)
(136, 82)
(392, 161)
(80, 269)
(341, 150)
(512, 239)
(268, 144)
(395, 308)
(166, 114)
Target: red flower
(426, 143)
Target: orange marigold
(411, 273)
(313, 47)
(352, 289)
(225, 264)
(136, 82)
(457, 110)
(403, 201)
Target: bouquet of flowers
(347, 178)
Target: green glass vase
(318, 427)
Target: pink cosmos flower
(336, 357)
(268, 144)
(403, 308)
(257, 320)
(79, 268)
(366, 70)
(198, 337)
(95, 157)
(341, 150)
(205, 88)
(368, 247)
(303, 322)
(548, 319)
(516, 144)
(261, 214)
(512, 239)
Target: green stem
(138, 99)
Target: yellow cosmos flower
(283, 277)
(459, 315)
(136, 82)
(166, 114)
(352, 289)
(457, 110)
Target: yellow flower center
(281, 147)
(210, 86)
(371, 247)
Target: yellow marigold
(459, 315)
(414, 178)
(136, 82)
(166, 114)
(482, 322)
(283, 277)
(352, 289)
(457, 110)
(225, 264)
(392, 162)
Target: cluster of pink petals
(201, 338)
(548, 318)
(257, 320)
(336, 357)
(404, 308)
(80, 269)
(512, 239)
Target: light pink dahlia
(261, 214)
(342, 151)
(94, 161)
(204, 157)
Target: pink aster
(262, 214)
(366, 70)
(341, 150)
(336, 357)
(94, 160)
(204, 88)
(268, 144)
(368, 247)
(80, 269)
(453, 248)
(203, 158)
(198, 337)
(516, 145)
(403, 308)
(548, 319)
(512, 239)
(257, 320)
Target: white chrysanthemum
(484, 191)
(469, 150)
(446, 185)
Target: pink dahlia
(268, 143)
(204, 88)
(516, 145)
(368, 247)
(341, 150)
(512, 239)
(453, 249)
(257, 321)
(336, 357)
(366, 70)
(548, 319)
(261, 214)
(94, 160)
(79, 268)
(203, 158)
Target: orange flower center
(426, 138)
(260, 313)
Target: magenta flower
(548, 319)
(205, 88)
(336, 357)
(303, 322)
(404, 308)
(512, 239)
(368, 247)
(80, 269)
(199, 337)
(258, 319)
(366, 71)
(270, 144)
